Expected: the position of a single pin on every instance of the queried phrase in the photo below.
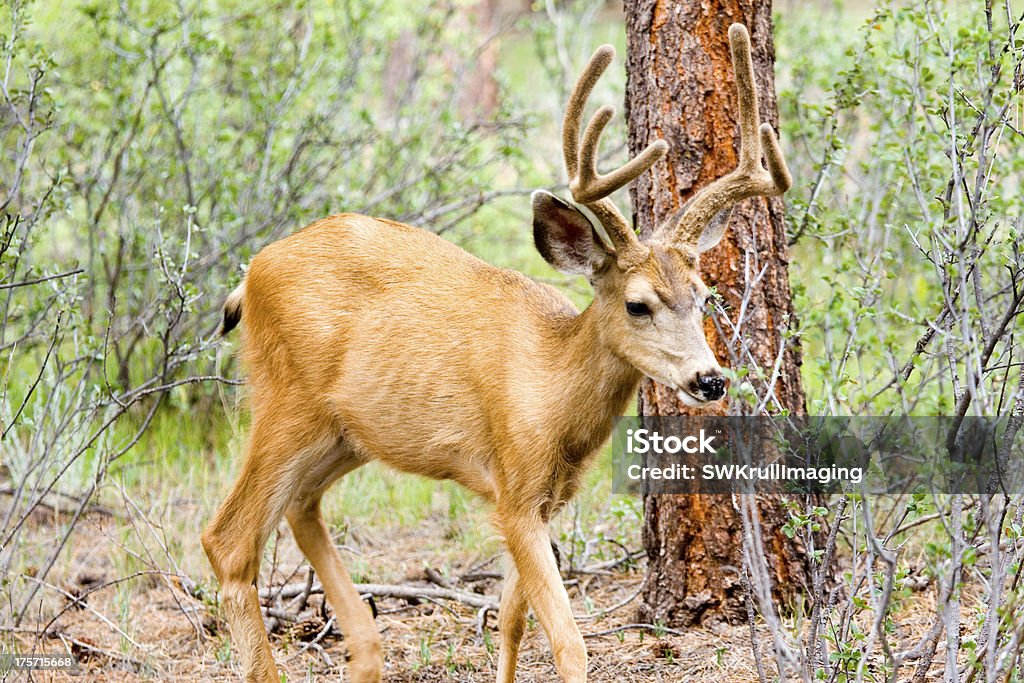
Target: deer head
(648, 294)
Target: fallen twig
(476, 577)
(654, 628)
(74, 643)
(608, 610)
(481, 619)
(284, 615)
(435, 577)
(316, 641)
(407, 592)
(605, 568)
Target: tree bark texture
(681, 89)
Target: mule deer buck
(369, 340)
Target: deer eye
(637, 308)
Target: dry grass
(180, 637)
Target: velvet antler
(750, 178)
(588, 187)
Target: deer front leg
(539, 582)
(511, 624)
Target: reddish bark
(681, 89)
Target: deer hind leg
(234, 539)
(354, 616)
(511, 624)
(526, 536)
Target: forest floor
(165, 630)
(177, 635)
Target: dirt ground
(422, 643)
(176, 634)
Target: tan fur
(366, 339)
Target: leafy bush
(151, 150)
(907, 218)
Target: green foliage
(886, 229)
(159, 145)
(154, 147)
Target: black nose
(711, 386)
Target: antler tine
(599, 61)
(746, 95)
(773, 158)
(588, 187)
(750, 178)
(751, 147)
(591, 185)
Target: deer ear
(564, 236)
(714, 230)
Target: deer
(370, 340)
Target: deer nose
(712, 386)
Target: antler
(749, 179)
(588, 187)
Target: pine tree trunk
(681, 89)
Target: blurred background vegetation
(151, 148)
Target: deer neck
(594, 384)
